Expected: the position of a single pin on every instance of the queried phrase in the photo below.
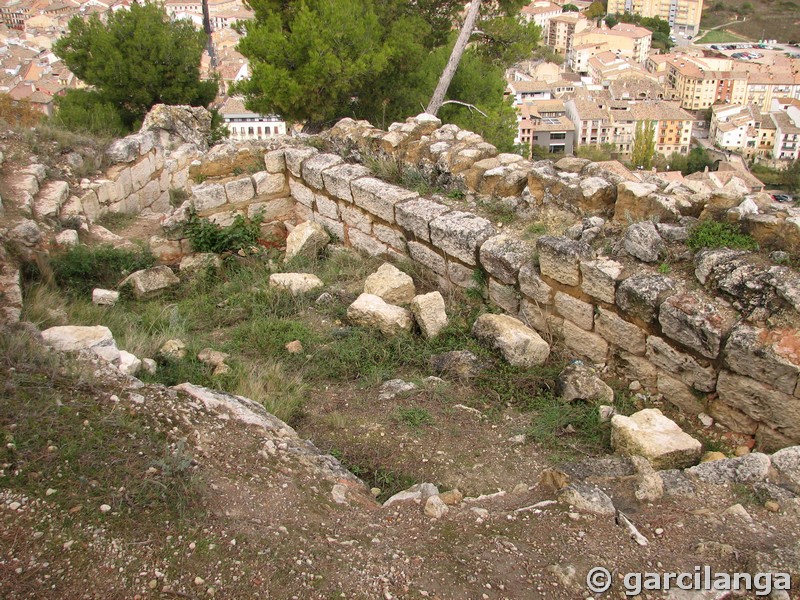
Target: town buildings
(683, 16)
(244, 124)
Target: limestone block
(304, 195)
(635, 368)
(51, 197)
(519, 344)
(660, 440)
(378, 197)
(427, 257)
(696, 321)
(337, 180)
(643, 241)
(503, 255)
(279, 209)
(504, 296)
(90, 205)
(225, 218)
(533, 286)
(641, 295)
(141, 173)
(356, 218)
(415, 216)
(123, 150)
(769, 356)
(762, 403)
(307, 239)
(541, 318)
(295, 157)
(150, 282)
(103, 297)
(371, 311)
(390, 236)
(149, 194)
(731, 417)
(198, 261)
(164, 250)
(123, 185)
(460, 275)
(599, 278)
(391, 284)
(582, 382)
(681, 395)
(680, 365)
(314, 167)
(366, 243)
(326, 207)
(296, 283)
(560, 258)
(207, 196)
(583, 343)
(460, 234)
(269, 183)
(579, 312)
(275, 161)
(429, 313)
(240, 190)
(73, 338)
(619, 332)
(129, 364)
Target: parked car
(782, 197)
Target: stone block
(560, 258)
(378, 197)
(240, 190)
(541, 318)
(304, 195)
(337, 180)
(460, 275)
(533, 286)
(333, 226)
(696, 321)
(519, 344)
(391, 284)
(636, 368)
(326, 207)
(584, 343)
(150, 282)
(366, 243)
(429, 313)
(660, 440)
(371, 311)
(732, 418)
(355, 217)
(275, 161)
(761, 403)
(503, 255)
(390, 236)
(599, 278)
(141, 173)
(415, 216)
(295, 157)
(620, 332)
(641, 295)
(314, 167)
(579, 312)
(678, 393)
(207, 196)
(769, 356)
(279, 209)
(460, 234)
(307, 239)
(269, 183)
(681, 365)
(504, 296)
(428, 257)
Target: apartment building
(602, 119)
(785, 114)
(14, 12)
(683, 16)
(544, 124)
(626, 41)
(244, 124)
(563, 29)
(540, 12)
(737, 128)
(700, 83)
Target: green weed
(714, 234)
(413, 417)
(83, 268)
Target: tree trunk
(455, 57)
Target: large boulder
(190, 123)
(391, 284)
(150, 282)
(307, 240)
(429, 313)
(519, 344)
(72, 338)
(581, 382)
(660, 440)
(296, 283)
(643, 241)
(371, 311)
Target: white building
(540, 12)
(244, 124)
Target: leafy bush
(210, 237)
(87, 111)
(713, 234)
(83, 268)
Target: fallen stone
(73, 338)
(201, 260)
(149, 366)
(296, 283)
(395, 387)
(417, 492)
(435, 507)
(429, 313)
(461, 364)
(452, 497)
(67, 238)
(372, 311)
(649, 485)
(787, 463)
(391, 284)
(307, 240)
(642, 241)
(174, 349)
(587, 499)
(579, 381)
(104, 297)
(209, 356)
(128, 363)
(659, 439)
(519, 344)
(150, 282)
(294, 347)
(752, 468)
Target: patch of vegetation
(413, 417)
(115, 221)
(206, 236)
(177, 197)
(395, 171)
(713, 234)
(717, 36)
(82, 268)
(497, 211)
(535, 230)
(367, 468)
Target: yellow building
(699, 84)
(682, 15)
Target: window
(556, 148)
(558, 136)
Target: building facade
(244, 124)
(683, 16)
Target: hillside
(755, 19)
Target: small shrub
(206, 236)
(83, 268)
(664, 268)
(114, 221)
(713, 234)
(177, 197)
(413, 417)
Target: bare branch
(471, 107)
